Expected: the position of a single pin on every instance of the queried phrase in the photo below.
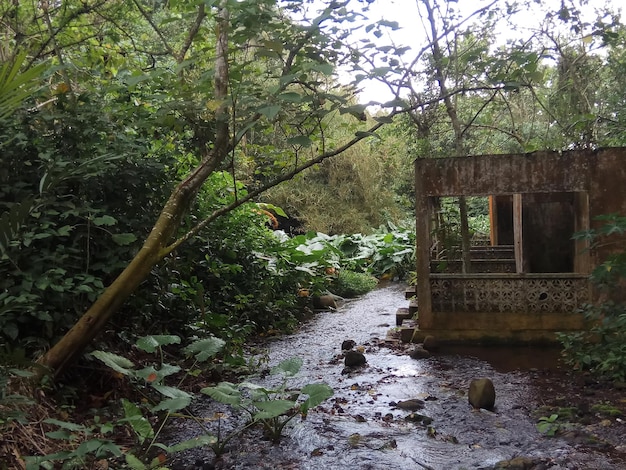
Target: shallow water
(359, 428)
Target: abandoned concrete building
(527, 281)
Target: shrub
(602, 349)
(352, 284)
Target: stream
(360, 427)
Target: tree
(238, 87)
(300, 81)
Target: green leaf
(271, 207)
(274, 46)
(289, 367)
(326, 69)
(171, 392)
(123, 239)
(205, 348)
(396, 102)
(61, 434)
(172, 404)
(137, 421)
(366, 134)
(381, 71)
(65, 424)
(270, 112)
(104, 220)
(224, 392)
(88, 447)
(152, 375)
(383, 119)
(109, 447)
(117, 363)
(134, 463)
(16, 87)
(301, 140)
(64, 231)
(200, 441)
(272, 408)
(150, 343)
(291, 97)
(317, 394)
(389, 24)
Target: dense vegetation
(148, 148)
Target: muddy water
(359, 427)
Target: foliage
(601, 349)
(15, 86)
(66, 229)
(448, 222)
(390, 251)
(274, 407)
(547, 425)
(352, 193)
(13, 366)
(83, 443)
(352, 284)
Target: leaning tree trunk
(157, 245)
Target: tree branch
(155, 28)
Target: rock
(411, 405)
(348, 344)
(418, 418)
(324, 302)
(431, 343)
(482, 394)
(354, 359)
(419, 353)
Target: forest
(151, 151)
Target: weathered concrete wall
(607, 195)
(484, 175)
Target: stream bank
(361, 426)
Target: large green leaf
(200, 441)
(117, 363)
(317, 394)
(65, 424)
(224, 392)
(171, 392)
(289, 367)
(272, 408)
(206, 348)
(150, 343)
(123, 239)
(137, 421)
(172, 405)
(153, 375)
(16, 87)
(270, 112)
(134, 463)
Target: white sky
(411, 31)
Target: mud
(361, 426)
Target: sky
(411, 29)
